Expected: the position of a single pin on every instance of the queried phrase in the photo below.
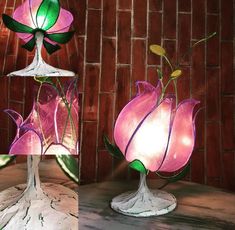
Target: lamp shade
(150, 129)
(52, 125)
(45, 16)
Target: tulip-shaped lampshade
(52, 125)
(150, 131)
(37, 23)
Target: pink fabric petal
(63, 23)
(26, 13)
(41, 118)
(25, 37)
(150, 140)
(27, 144)
(66, 127)
(133, 113)
(56, 149)
(182, 138)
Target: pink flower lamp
(154, 136)
(51, 128)
(37, 23)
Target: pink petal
(54, 149)
(17, 118)
(41, 118)
(182, 138)
(133, 113)
(28, 144)
(26, 13)
(25, 37)
(63, 23)
(66, 127)
(150, 140)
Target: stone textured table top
(199, 207)
(49, 172)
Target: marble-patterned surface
(199, 207)
(51, 206)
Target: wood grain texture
(199, 207)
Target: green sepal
(138, 166)
(69, 165)
(29, 45)
(178, 176)
(112, 149)
(44, 80)
(160, 75)
(50, 48)
(61, 38)
(5, 160)
(47, 14)
(15, 26)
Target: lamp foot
(55, 207)
(41, 69)
(145, 204)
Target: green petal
(50, 48)
(139, 166)
(112, 149)
(43, 80)
(30, 44)
(61, 38)
(47, 14)
(69, 165)
(5, 160)
(15, 26)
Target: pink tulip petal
(28, 144)
(55, 149)
(150, 140)
(134, 112)
(17, 118)
(63, 23)
(182, 138)
(66, 126)
(26, 13)
(25, 37)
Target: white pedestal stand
(144, 202)
(35, 206)
(38, 67)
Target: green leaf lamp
(41, 23)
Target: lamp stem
(38, 54)
(143, 188)
(33, 180)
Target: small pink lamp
(41, 23)
(155, 136)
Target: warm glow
(41, 21)
(186, 141)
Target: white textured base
(41, 69)
(54, 209)
(144, 204)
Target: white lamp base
(55, 209)
(36, 206)
(41, 69)
(144, 202)
(38, 67)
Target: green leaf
(50, 48)
(15, 26)
(61, 38)
(43, 80)
(69, 165)
(178, 176)
(112, 149)
(139, 166)
(5, 160)
(160, 75)
(47, 14)
(29, 45)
